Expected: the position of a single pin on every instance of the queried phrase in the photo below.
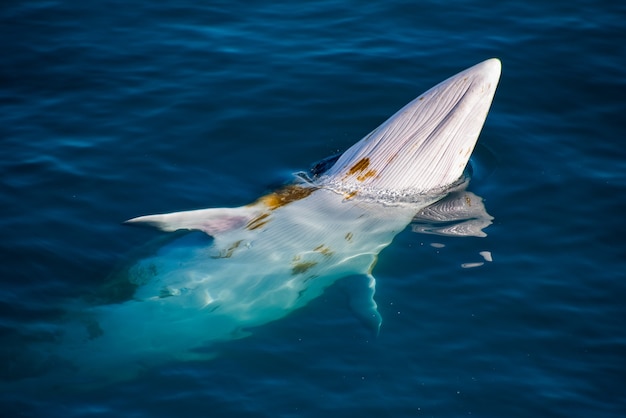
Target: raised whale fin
(211, 221)
(426, 145)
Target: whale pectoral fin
(362, 303)
(211, 221)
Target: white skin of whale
(256, 263)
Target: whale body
(227, 270)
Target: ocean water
(112, 110)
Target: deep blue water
(114, 109)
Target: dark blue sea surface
(111, 110)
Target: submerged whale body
(246, 266)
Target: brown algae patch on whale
(278, 199)
(229, 251)
(359, 169)
(324, 250)
(360, 166)
(299, 266)
(258, 222)
(286, 195)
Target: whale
(218, 273)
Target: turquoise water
(112, 110)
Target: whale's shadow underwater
(221, 271)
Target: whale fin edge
(213, 221)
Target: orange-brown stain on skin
(361, 165)
(324, 250)
(350, 195)
(277, 199)
(229, 252)
(360, 168)
(232, 249)
(363, 177)
(258, 222)
(349, 236)
(286, 195)
(468, 200)
(302, 267)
